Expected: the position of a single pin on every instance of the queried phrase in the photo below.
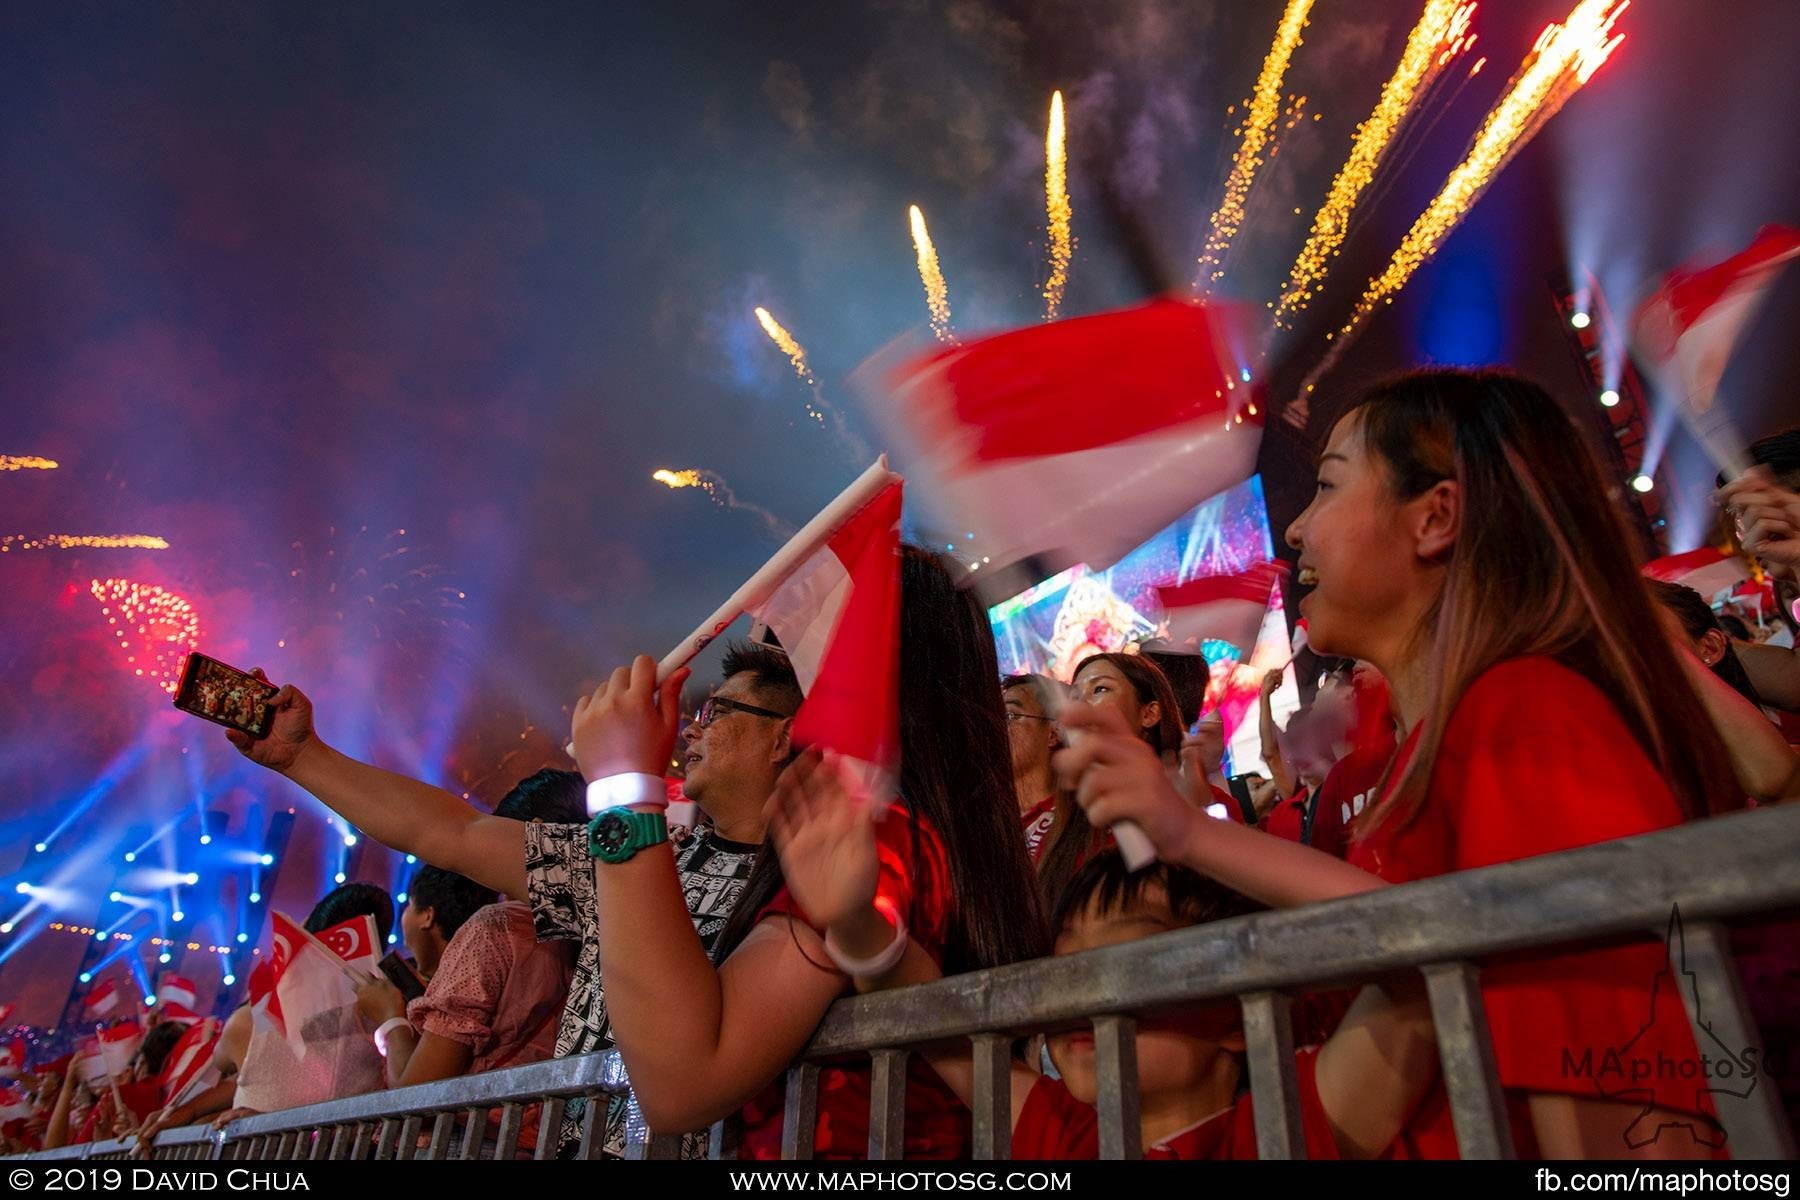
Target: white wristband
(880, 964)
(626, 789)
(387, 1027)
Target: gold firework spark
(794, 350)
(82, 541)
(1564, 58)
(684, 479)
(26, 462)
(1056, 202)
(1264, 109)
(1442, 32)
(937, 295)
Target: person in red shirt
(1057, 834)
(1462, 541)
(702, 1038)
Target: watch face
(611, 833)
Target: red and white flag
(265, 1005)
(175, 989)
(103, 999)
(12, 1057)
(356, 941)
(310, 979)
(1691, 325)
(1074, 441)
(88, 1064)
(1226, 608)
(6, 1012)
(838, 618)
(178, 1014)
(190, 1061)
(1706, 570)
(14, 1103)
(118, 1043)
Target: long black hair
(1697, 620)
(1149, 683)
(955, 773)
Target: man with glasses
(733, 752)
(1031, 704)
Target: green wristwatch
(618, 833)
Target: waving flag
(118, 1043)
(1691, 325)
(190, 1062)
(1706, 570)
(1226, 608)
(12, 1057)
(310, 979)
(265, 1005)
(356, 941)
(175, 989)
(838, 618)
(178, 1014)
(1073, 441)
(103, 999)
(14, 1103)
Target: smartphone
(401, 974)
(224, 695)
(1239, 787)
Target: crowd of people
(1487, 677)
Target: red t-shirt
(1287, 819)
(1536, 759)
(915, 879)
(1037, 821)
(1349, 787)
(1055, 1125)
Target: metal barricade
(1709, 872)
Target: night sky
(280, 281)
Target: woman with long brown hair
(1461, 540)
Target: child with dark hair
(352, 900)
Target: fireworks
(1265, 108)
(1056, 201)
(26, 462)
(1564, 58)
(722, 495)
(154, 627)
(794, 350)
(937, 295)
(82, 541)
(1442, 33)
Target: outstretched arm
(400, 813)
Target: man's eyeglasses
(1013, 717)
(717, 706)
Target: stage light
(42, 846)
(1609, 398)
(6, 928)
(23, 889)
(87, 977)
(165, 957)
(229, 980)
(339, 877)
(99, 937)
(193, 878)
(1580, 320)
(131, 856)
(242, 938)
(256, 897)
(401, 898)
(1643, 483)
(349, 839)
(392, 938)
(206, 839)
(115, 896)
(268, 860)
(149, 1001)
(178, 915)
(411, 858)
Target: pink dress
(498, 990)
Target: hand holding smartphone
(400, 973)
(224, 695)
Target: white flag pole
(774, 573)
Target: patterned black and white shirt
(559, 878)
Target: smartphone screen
(224, 695)
(401, 974)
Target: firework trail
(722, 495)
(159, 627)
(26, 462)
(818, 408)
(82, 541)
(1563, 59)
(1265, 108)
(937, 295)
(1441, 33)
(1060, 214)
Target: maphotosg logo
(1674, 1091)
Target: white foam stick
(1135, 846)
(772, 574)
